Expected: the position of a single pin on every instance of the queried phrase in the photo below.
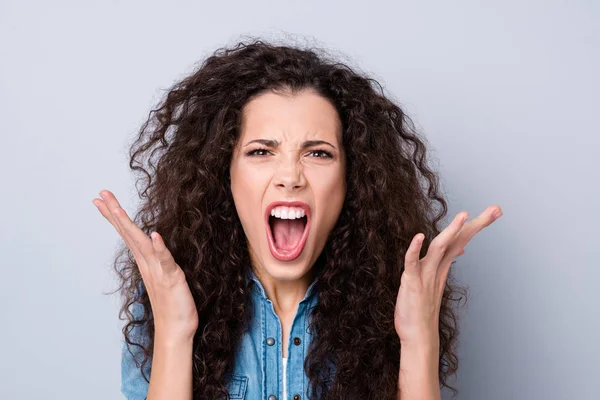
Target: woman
(283, 205)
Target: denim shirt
(257, 372)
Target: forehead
(306, 115)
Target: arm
(171, 369)
(170, 373)
(418, 377)
(173, 308)
(418, 304)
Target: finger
(483, 220)
(139, 258)
(101, 205)
(469, 230)
(442, 242)
(457, 248)
(446, 264)
(137, 241)
(162, 253)
(110, 199)
(411, 259)
(110, 202)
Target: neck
(284, 294)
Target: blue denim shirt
(257, 373)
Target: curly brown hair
(183, 152)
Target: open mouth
(287, 229)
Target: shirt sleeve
(133, 384)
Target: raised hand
(173, 307)
(422, 284)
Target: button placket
(296, 353)
(272, 335)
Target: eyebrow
(275, 143)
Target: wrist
(425, 343)
(170, 339)
(422, 354)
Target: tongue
(287, 232)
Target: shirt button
(271, 342)
(296, 397)
(272, 397)
(297, 342)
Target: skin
(289, 172)
(175, 314)
(285, 169)
(419, 301)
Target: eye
(321, 154)
(255, 152)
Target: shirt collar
(252, 279)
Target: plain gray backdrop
(507, 93)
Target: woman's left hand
(422, 284)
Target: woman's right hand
(173, 307)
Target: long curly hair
(182, 154)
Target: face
(288, 181)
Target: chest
(258, 372)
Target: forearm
(418, 378)
(171, 373)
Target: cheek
(247, 188)
(327, 184)
(329, 191)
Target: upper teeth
(287, 212)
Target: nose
(289, 175)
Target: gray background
(506, 92)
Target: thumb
(163, 254)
